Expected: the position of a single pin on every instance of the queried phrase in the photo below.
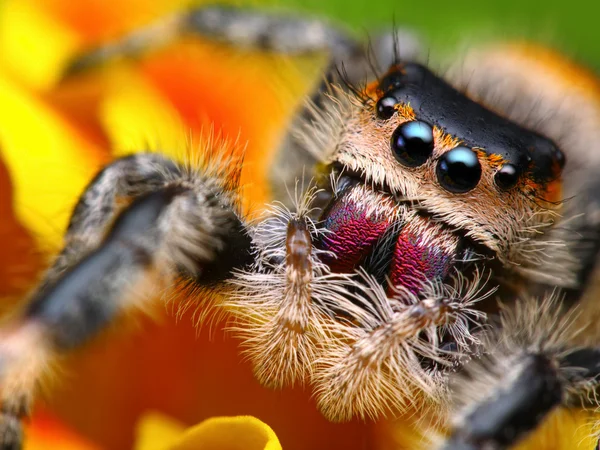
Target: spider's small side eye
(386, 107)
(459, 170)
(507, 177)
(412, 143)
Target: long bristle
(373, 365)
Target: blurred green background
(570, 26)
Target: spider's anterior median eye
(459, 170)
(506, 177)
(412, 143)
(386, 107)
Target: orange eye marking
(445, 140)
(494, 160)
(554, 191)
(406, 112)
(550, 192)
(373, 92)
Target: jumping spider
(427, 269)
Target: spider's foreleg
(247, 28)
(177, 224)
(520, 401)
(530, 370)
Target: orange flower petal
(20, 263)
(47, 433)
(99, 20)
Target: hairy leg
(175, 223)
(530, 368)
(260, 30)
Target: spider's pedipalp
(374, 364)
(178, 224)
(276, 306)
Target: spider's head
(437, 178)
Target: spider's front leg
(259, 30)
(531, 383)
(177, 222)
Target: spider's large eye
(412, 143)
(459, 170)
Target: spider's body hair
(323, 127)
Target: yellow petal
(33, 47)
(157, 432)
(49, 162)
(136, 117)
(565, 429)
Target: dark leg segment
(124, 179)
(517, 408)
(240, 28)
(532, 386)
(177, 224)
(88, 296)
(246, 28)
